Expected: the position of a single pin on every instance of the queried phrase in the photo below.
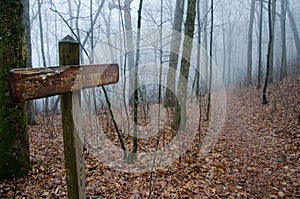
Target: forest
(149, 99)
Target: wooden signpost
(66, 80)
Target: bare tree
(224, 44)
(129, 46)
(196, 82)
(175, 46)
(77, 21)
(259, 74)
(205, 43)
(95, 18)
(229, 19)
(272, 43)
(70, 12)
(180, 106)
(283, 68)
(294, 30)
(133, 155)
(250, 35)
(42, 48)
(210, 60)
(269, 57)
(230, 44)
(26, 21)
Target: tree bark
(210, 60)
(294, 29)
(129, 45)
(283, 68)
(197, 72)
(14, 142)
(175, 46)
(272, 43)
(94, 20)
(224, 46)
(264, 96)
(229, 47)
(180, 106)
(133, 155)
(70, 12)
(260, 46)
(26, 22)
(42, 48)
(250, 35)
(205, 43)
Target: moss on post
(14, 144)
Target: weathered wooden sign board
(67, 80)
(34, 83)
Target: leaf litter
(257, 155)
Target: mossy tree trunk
(14, 145)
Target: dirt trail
(257, 156)
(260, 161)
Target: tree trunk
(250, 35)
(197, 72)
(78, 10)
(133, 155)
(175, 46)
(205, 40)
(92, 31)
(260, 46)
(210, 58)
(283, 68)
(180, 106)
(42, 48)
(272, 44)
(92, 90)
(95, 19)
(294, 29)
(77, 23)
(264, 96)
(26, 22)
(129, 46)
(230, 45)
(224, 46)
(47, 38)
(70, 12)
(14, 143)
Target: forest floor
(257, 155)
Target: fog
(230, 38)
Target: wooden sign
(67, 80)
(34, 83)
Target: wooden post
(35, 83)
(73, 147)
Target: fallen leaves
(257, 155)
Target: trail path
(257, 156)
